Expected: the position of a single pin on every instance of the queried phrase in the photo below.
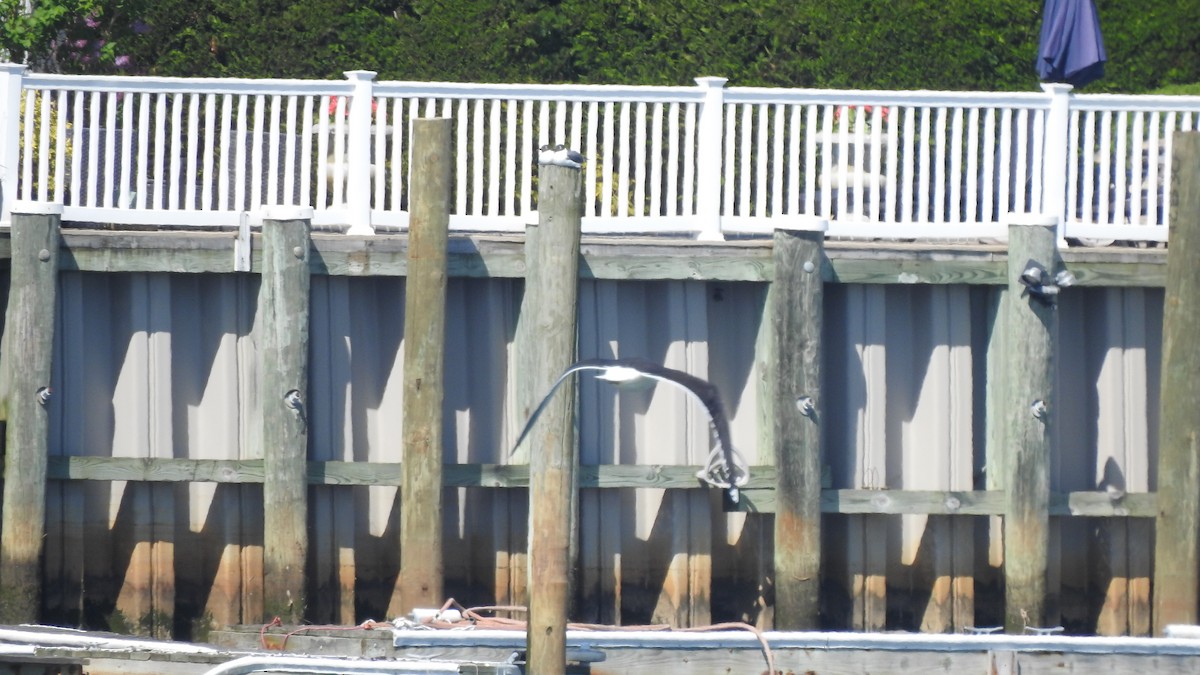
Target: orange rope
(473, 616)
(262, 633)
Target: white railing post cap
(13, 68)
(287, 212)
(1057, 87)
(711, 81)
(359, 74)
(28, 207)
(802, 224)
(1031, 220)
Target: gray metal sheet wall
(163, 365)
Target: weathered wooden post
(29, 346)
(553, 455)
(283, 311)
(796, 306)
(424, 360)
(1025, 412)
(1176, 565)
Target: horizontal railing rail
(705, 161)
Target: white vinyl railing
(707, 161)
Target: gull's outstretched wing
(587, 364)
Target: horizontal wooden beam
(758, 497)
(647, 258)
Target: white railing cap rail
(963, 99)
(541, 92)
(186, 85)
(1133, 103)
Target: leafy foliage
(900, 44)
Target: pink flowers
(867, 110)
(333, 103)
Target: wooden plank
(283, 312)
(421, 575)
(28, 352)
(552, 491)
(1026, 381)
(501, 256)
(796, 312)
(1176, 585)
(758, 497)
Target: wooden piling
(552, 451)
(421, 570)
(1176, 589)
(796, 314)
(28, 349)
(283, 314)
(1026, 410)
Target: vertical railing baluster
(972, 211)
(625, 168)
(193, 148)
(560, 122)
(811, 134)
(43, 145)
(272, 164)
(239, 149)
(1137, 167)
(289, 156)
(462, 159)
(1152, 202)
(257, 198)
(638, 175)
(988, 212)
(793, 188)
(937, 173)
(476, 155)
(174, 179)
(160, 149)
(527, 150)
(60, 146)
(511, 200)
(656, 206)
(110, 146)
(493, 179)
(210, 122)
(671, 206)
(399, 166)
(873, 169)
(778, 138)
(688, 206)
(306, 152)
(758, 159)
(1105, 178)
(907, 187)
(93, 145)
(226, 124)
(954, 212)
(593, 129)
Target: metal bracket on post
(242, 244)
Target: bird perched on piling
(725, 468)
(560, 155)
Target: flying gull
(724, 468)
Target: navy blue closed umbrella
(1071, 49)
